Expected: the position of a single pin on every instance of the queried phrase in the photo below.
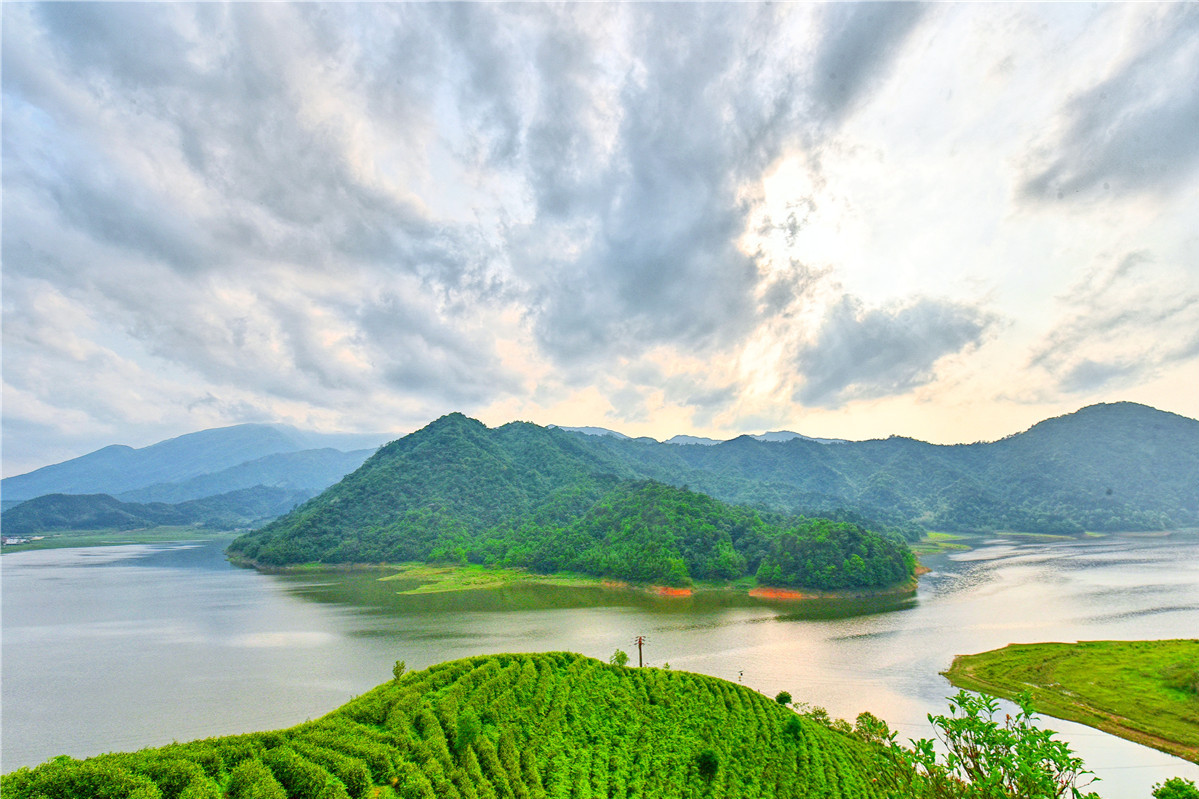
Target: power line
(639, 641)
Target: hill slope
(528, 496)
(538, 726)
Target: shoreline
(448, 578)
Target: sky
(851, 220)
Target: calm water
(124, 647)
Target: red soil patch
(778, 593)
(664, 590)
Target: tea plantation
(500, 726)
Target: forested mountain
(521, 494)
(1107, 467)
(59, 512)
(120, 469)
(546, 725)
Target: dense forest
(501, 726)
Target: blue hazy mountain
(200, 456)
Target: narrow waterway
(111, 649)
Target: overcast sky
(845, 219)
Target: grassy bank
(426, 578)
(107, 538)
(434, 579)
(1145, 691)
(935, 542)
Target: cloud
(347, 212)
(859, 44)
(1122, 324)
(861, 353)
(661, 210)
(1134, 131)
(654, 183)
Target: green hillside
(597, 525)
(59, 512)
(547, 725)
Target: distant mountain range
(778, 435)
(1105, 467)
(224, 477)
(201, 464)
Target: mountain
(459, 490)
(691, 440)
(787, 435)
(453, 477)
(59, 512)
(542, 498)
(546, 725)
(778, 435)
(308, 471)
(592, 431)
(120, 469)
(1119, 466)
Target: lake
(116, 648)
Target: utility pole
(639, 641)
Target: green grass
(544, 726)
(935, 542)
(427, 578)
(435, 579)
(102, 538)
(1146, 691)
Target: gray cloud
(659, 262)
(1087, 375)
(634, 134)
(1123, 324)
(864, 353)
(1134, 131)
(858, 45)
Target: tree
(469, 727)
(397, 671)
(989, 760)
(1176, 788)
(619, 658)
(783, 698)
